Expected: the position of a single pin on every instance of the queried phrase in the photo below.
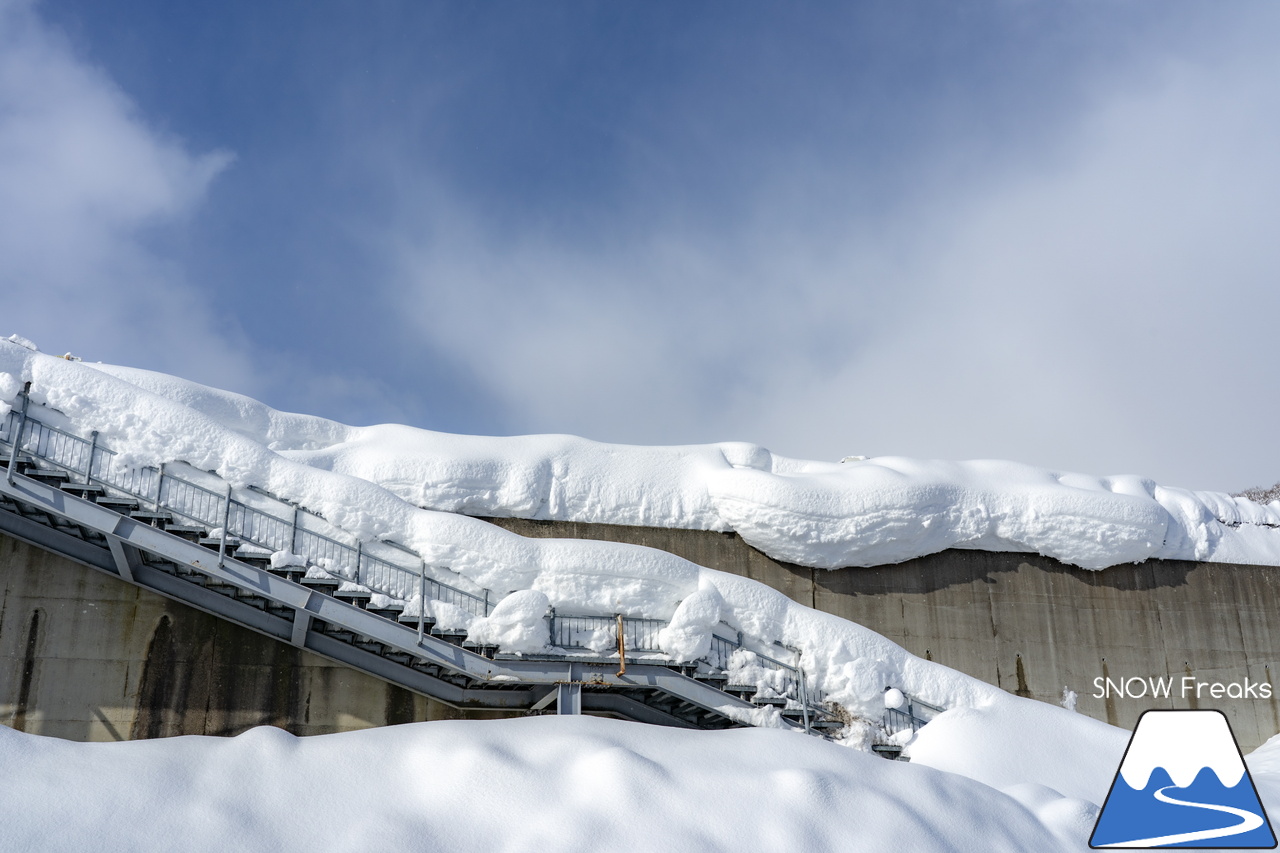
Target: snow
(515, 624)
(243, 442)
(553, 783)
(688, 636)
(858, 512)
(375, 482)
(1069, 818)
(1015, 741)
(994, 772)
(281, 559)
(534, 784)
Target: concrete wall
(1030, 624)
(88, 657)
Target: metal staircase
(279, 569)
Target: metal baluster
(93, 449)
(16, 438)
(24, 430)
(226, 520)
(359, 554)
(804, 697)
(159, 486)
(422, 597)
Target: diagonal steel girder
(127, 545)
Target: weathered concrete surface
(1030, 624)
(87, 657)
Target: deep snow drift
(534, 784)
(571, 784)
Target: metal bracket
(546, 700)
(301, 625)
(125, 557)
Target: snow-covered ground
(535, 784)
(572, 784)
(995, 772)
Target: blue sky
(1026, 230)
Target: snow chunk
(451, 617)
(515, 625)
(10, 386)
(688, 636)
(281, 559)
(25, 343)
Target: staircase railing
(913, 714)
(290, 528)
(267, 522)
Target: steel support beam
(469, 680)
(568, 698)
(301, 624)
(125, 557)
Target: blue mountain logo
(1183, 783)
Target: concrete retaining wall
(1030, 624)
(88, 657)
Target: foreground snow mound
(1017, 742)
(536, 784)
(826, 515)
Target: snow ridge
(820, 514)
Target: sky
(1011, 229)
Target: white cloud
(84, 184)
(1104, 303)
(1115, 312)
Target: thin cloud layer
(1007, 230)
(1101, 302)
(1112, 312)
(87, 191)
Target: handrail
(163, 488)
(291, 528)
(913, 714)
